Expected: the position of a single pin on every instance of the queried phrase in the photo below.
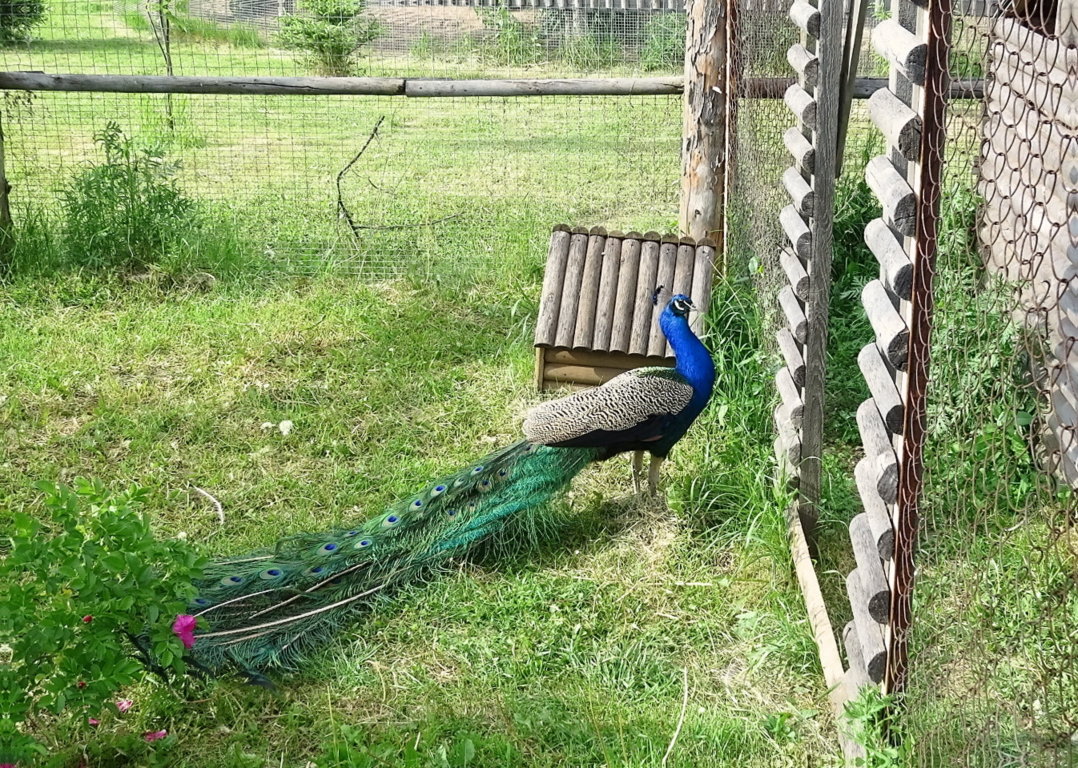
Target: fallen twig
(681, 717)
(341, 207)
(216, 503)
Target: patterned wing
(637, 403)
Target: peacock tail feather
(270, 608)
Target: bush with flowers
(87, 592)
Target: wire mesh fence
(993, 674)
(446, 183)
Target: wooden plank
(1044, 52)
(883, 533)
(703, 153)
(540, 367)
(570, 292)
(800, 192)
(902, 48)
(546, 326)
(806, 17)
(896, 269)
(803, 152)
(580, 374)
(895, 195)
(795, 273)
(791, 353)
(802, 105)
(892, 336)
(604, 359)
(857, 674)
(608, 291)
(899, 124)
(589, 290)
(791, 397)
(683, 267)
(869, 633)
(805, 64)
(795, 315)
(870, 569)
(667, 266)
(829, 51)
(703, 274)
(879, 450)
(857, 10)
(624, 306)
(642, 307)
(797, 232)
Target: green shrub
(509, 42)
(664, 43)
(128, 212)
(18, 17)
(590, 52)
(76, 583)
(329, 33)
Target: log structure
(597, 316)
(1029, 183)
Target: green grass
(569, 653)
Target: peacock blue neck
(693, 360)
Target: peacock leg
(638, 470)
(653, 475)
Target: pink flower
(154, 735)
(8, 765)
(184, 628)
(93, 721)
(85, 620)
(124, 704)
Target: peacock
(269, 609)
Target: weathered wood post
(703, 150)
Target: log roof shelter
(598, 314)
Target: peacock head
(681, 305)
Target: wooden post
(7, 237)
(703, 152)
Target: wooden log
(703, 274)
(795, 315)
(703, 155)
(608, 291)
(879, 450)
(622, 86)
(806, 17)
(604, 359)
(896, 269)
(803, 152)
(870, 569)
(589, 291)
(795, 273)
(643, 310)
(788, 439)
(667, 266)
(882, 386)
(879, 519)
(892, 336)
(804, 64)
(899, 124)
(894, 193)
(540, 368)
(1035, 48)
(857, 674)
(1039, 93)
(233, 86)
(902, 49)
(791, 397)
(869, 632)
(797, 232)
(791, 353)
(546, 326)
(625, 307)
(570, 291)
(580, 374)
(800, 191)
(802, 105)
